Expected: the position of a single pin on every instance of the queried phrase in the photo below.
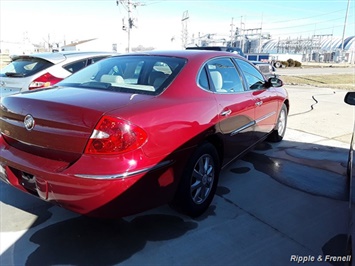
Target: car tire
(279, 131)
(199, 181)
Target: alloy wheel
(202, 179)
(282, 122)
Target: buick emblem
(29, 122)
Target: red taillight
(45, 80)
(114, 135)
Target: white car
(267, 69)
(28, 72)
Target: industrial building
(318, 48)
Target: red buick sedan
(135, 131)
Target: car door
(265, 99)
(235, 106)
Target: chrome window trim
(202, 68)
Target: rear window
(132, 73)
(24, 67)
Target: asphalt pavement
(281, 204)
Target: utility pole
(242, 30)
(128, 5)
(184, 33)
(261, 28)
(344, 29)
(232, 32)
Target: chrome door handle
(226, 112)
(259, 103)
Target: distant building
(317, 48)
(12, 48)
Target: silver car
(28, 72)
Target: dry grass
(340, 81)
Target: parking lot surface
(281, 204)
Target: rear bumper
(4, 91)
(91, 186)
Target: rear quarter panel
(173, 123)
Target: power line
(318, 23)
(308, 24)
(308, 31)
(311, 17)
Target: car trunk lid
(12, 85)
(58, 122)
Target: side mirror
(350, 98)
(274, 82)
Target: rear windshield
(24, 67)
(143, 74)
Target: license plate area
(26, 180)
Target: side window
(254, 78)
(95, 59)
(224, 76)
(203, 79)
(76, 66)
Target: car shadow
(88, 241)
(310, 168)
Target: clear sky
(158, 22)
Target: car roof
(217, 48)
(56, 57)
(188, 54)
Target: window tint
(254, 78)
(78, 65)
(24, 67)
(203, 80)
(133, 74)
(95, 59)
(225, 77)
(75, 66)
